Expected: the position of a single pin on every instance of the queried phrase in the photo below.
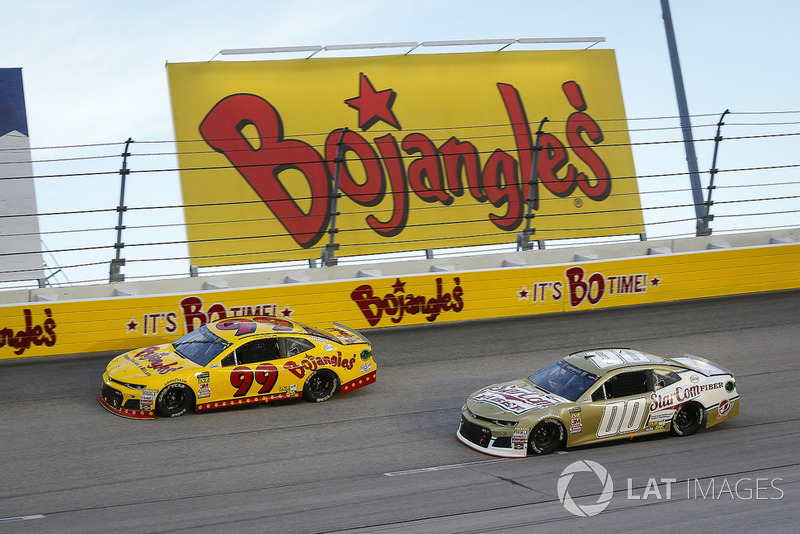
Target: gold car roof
(605, 360)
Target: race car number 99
(242, 378)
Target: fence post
(524, 237)
(707, 217)
(328, 257)
(117, 262)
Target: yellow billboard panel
(396, 153)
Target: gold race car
(595, 396)
(234, 362)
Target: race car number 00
(622, 417)
(604, 359)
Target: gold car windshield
(564, 379)
(201, 346)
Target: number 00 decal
(622, 417)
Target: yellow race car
(234, 362)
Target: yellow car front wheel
(174, 400)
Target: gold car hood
(513, 399)
(147, 363)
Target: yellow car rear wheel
(321, 385)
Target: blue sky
(94, 72)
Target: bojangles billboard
(429, 151)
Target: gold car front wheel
(174, 400)
(546, 437)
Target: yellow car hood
(148, 363)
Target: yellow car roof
(233, 328)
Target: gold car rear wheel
(688, 419)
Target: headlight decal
(127, 384)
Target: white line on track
(20, 518)
(454, 466)
(445, 467)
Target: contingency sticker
(203, 385)
(148, 398)
(575, 424)
(520, 438)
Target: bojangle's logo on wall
(429, 151)
(35, 333)
(398, 302)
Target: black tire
(688, 419)
(174, 400)
(320, 385)
(546, 437)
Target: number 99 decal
(242, 379)
(248, 326)
(622, 417)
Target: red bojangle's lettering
(434, 174)
(193, 315)
(591, 289)
(223, 129)
(312, 363)
(580, 123)
(44, 334)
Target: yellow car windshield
(201, 346)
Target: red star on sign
(132, 325)
(655, 281)
(287, 312)
(372, 105)
(523, 293)
(399, 286)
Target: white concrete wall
(402, 267)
